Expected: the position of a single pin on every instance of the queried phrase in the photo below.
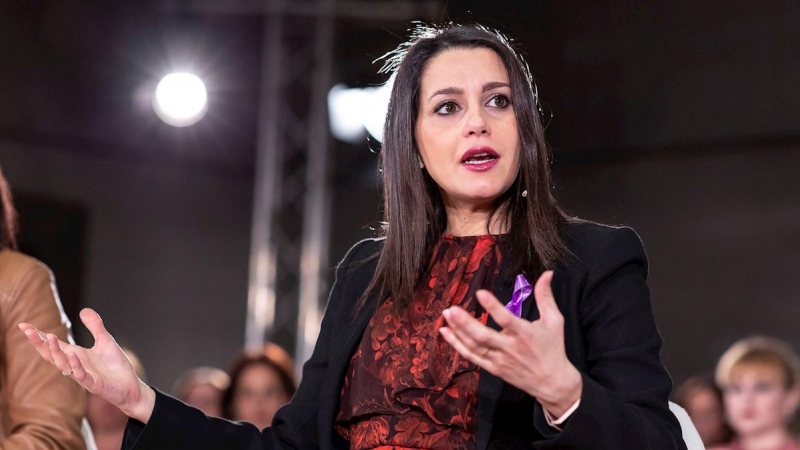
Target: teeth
(479, 158)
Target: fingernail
(446, 313)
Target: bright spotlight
(352, 111)
(181, 99)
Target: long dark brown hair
(8, 216)
(414, 213)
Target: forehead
(756, 371)
(462, 68)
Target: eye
(447, 108)
(763, 387)
(500, 101)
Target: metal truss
(291, 210)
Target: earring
(421, 165)
(525, 193)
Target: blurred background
(680, 119)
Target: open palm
(104, 369)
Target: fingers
(93, 323)
(501, 315)
(37, 338)
(543, 293)
(59, 359)
(479, 357)
(79, 372)
(475, 336)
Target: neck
(472, 221)
(766, 440)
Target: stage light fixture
(352, 111)
(180, 99)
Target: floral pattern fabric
(406, 387)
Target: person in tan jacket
(39, 408)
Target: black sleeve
(625, 387)
(175, 425)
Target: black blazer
(610, 333)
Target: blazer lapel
(339, 361)
(489, 386)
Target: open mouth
(480, 158)
(479, 155)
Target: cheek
(734, 404)
(430, 143)
(770, 402)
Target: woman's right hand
(103, 370)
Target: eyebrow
(454, 90)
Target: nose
(476, 124)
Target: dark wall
(722, 232)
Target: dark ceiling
(612, 76)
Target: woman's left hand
(528, 355)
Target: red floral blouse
(406, 387)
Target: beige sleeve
(44, 407)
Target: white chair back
(690, 435)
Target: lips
(479, 155)
(479, 159)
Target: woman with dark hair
(702, 400)
(39, 409)
(484, 317)
(259, 386)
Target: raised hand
(103, 370)
(528, 355)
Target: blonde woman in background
(759, 379)
(203, 387)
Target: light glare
(180, 99)
(351, 111)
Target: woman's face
(466, 129)
(705, 410)
(206, 398)
(258, 395)
(756, 401)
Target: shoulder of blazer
(361, 259)
(585, 240)
(356, 269)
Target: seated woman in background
(259, 386)
(702, 400)
(203, 387)
(39, 409)
(759, 378)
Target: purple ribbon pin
(522, 290)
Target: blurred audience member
(276, 353)
(259, 386)
(39, 408)
(702, 400)
(106, 420)
(759, 379)
(203, 387)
